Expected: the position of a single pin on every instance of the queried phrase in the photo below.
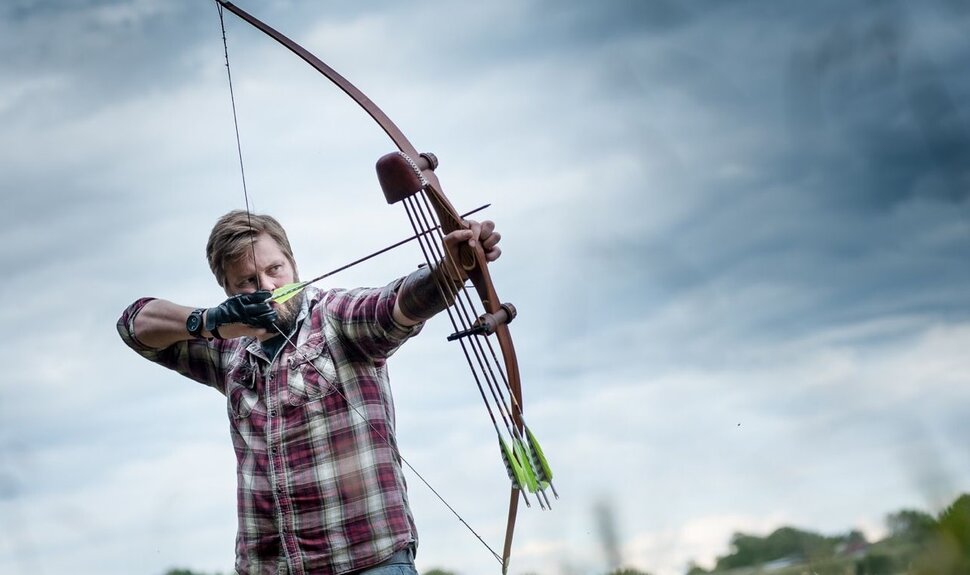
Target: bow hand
(461, 245)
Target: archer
(320, 486)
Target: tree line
(917, 543)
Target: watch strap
(210, 326)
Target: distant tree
(785, 542)
(910, 525)
(745, 550)
(438, 572)
(954, 523)
(695, 569)
(948, 553)
(791, 542)
(875, 564)
(854, 537)
(627, 571)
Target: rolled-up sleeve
(198, 359)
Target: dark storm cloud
(547, 26)
(849, 127)
(867, 90)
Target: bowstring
(390, 443)
(235, 123)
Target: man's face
(270, 270)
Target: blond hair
(232, 238)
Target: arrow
(284, 293)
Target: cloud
(736, 237)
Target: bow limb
(376, 113)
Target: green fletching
(283, 294)
(512, 466)
(543, 471)
(522, 454)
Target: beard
(287, 312)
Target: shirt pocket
(311, 373)
(241, 390)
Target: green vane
(515, 470)
(539, 462)
(522, 456)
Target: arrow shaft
(383, 250)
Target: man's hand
(477, 233)
(252, 309)
(430, 290)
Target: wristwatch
(194, 323)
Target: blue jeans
(401, 563)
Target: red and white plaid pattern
(319, 483)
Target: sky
(737, 235)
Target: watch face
(194, 323)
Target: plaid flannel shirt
(320, 490)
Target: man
(320, 487)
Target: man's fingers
(488, 226)
(474, 232)
(482, 233)
(490, 241)
(459, 237)
(493, 254)
(262, 295)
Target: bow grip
(401, 176)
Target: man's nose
(267, 283)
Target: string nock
(488, 322)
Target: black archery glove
(252, 309)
